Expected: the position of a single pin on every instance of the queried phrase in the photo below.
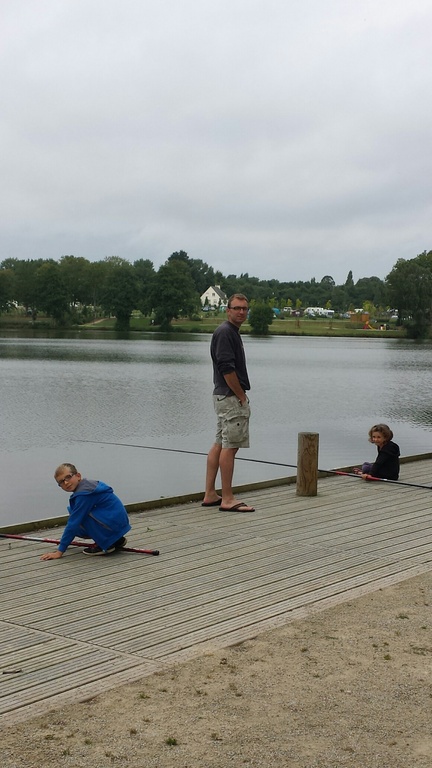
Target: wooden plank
(83, 624)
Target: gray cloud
(287, 140)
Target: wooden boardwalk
(75, 627)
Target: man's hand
(235, 386)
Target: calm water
(58, 393)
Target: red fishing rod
(74, 543)
(371, 477)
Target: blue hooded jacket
(96, 512)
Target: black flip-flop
(237, 508)
(211, 503)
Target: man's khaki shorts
(232, 429)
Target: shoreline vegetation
(290, 326)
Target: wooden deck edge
(170, 501)
(34, 525)
(416, 457)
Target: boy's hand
(52, 555)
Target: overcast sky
(288, 139)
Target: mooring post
(307, 464)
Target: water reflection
(58, 393)
(410, 385)
(93, 349)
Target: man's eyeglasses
(65, 479)
(239, 309)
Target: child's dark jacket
(386, 464)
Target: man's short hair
(240, 296)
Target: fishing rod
(255, 461)
(371, 477)
(74, 543)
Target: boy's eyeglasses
(239, 309)
(67, 478)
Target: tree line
(74, 290)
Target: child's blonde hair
(383, 429)
(61, 468)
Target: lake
(76, 398)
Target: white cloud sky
(287, 139)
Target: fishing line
(180, 450)
(254, 461)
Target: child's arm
(78, 511)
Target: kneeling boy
(95, 512)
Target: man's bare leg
(223, 459)
(226, 465)
(213, 457)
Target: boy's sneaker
(120, 543)
(98, 551)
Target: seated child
(386, 464)
(95, 512)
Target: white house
(214, 297)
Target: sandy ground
(348, 686)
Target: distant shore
(290, 326)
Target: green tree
(410, 291)
(370, 289)
(370, 307)
(179, 256)
(260, 317)
(328, 280)
(349, 282)
(425, 259)
(350, 289)
(51, 292)
(75, 271)
(120, 291)
(6, 289)
(25, 284)
(202, 275)
(97, 276)
(145, 275)
(173, 293)
(9, 263)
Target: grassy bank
(298, 326)
(295, 326)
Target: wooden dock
(75, 627)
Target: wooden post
(307, 464)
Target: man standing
(231, 405)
